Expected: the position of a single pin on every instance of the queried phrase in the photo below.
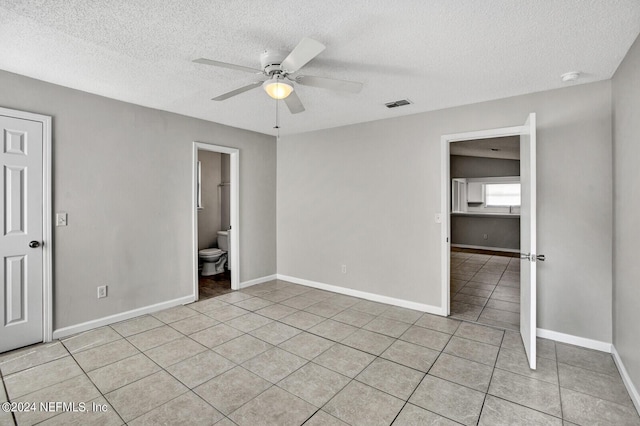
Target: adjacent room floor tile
(392, 378)
(273, 407)
(314, 383)
(359, 404)
(232, 389)
(448, 399)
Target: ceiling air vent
(395, 104)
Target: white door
(21, 298)
(528, 324)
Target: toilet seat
(210, 252)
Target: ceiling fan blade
(305, 51)
(293, 103)
(226, 65)
(329, 83)
(237, 91)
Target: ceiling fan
(279, 66)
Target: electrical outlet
(102, 291)
(485, 236)
(344, 269)
(61, 219)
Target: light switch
(61, 219)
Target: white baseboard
(574, 340)
(506, 250)
(89, 325)
(364, 295)
(633, 391)
(255, 281)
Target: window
(502, 194)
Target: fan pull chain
(277, 127)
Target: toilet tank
(223, 240)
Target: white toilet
(214, 259)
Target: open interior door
(528, 257)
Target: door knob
(34, 244)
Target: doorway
(528, 258)
(485, 231)
(215, 206)
(26, 248)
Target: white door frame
(47, 218)
(234, 242)
(445, 200)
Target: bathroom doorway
(215, 220)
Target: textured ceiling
(506, 147)
(438, 54)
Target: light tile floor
(282, 354)
(485, 288)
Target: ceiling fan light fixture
(277, 88)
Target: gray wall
(502, 232)
(626, 268)
(124, 175)
(210, 217)
(365, 196)
(462, 166)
